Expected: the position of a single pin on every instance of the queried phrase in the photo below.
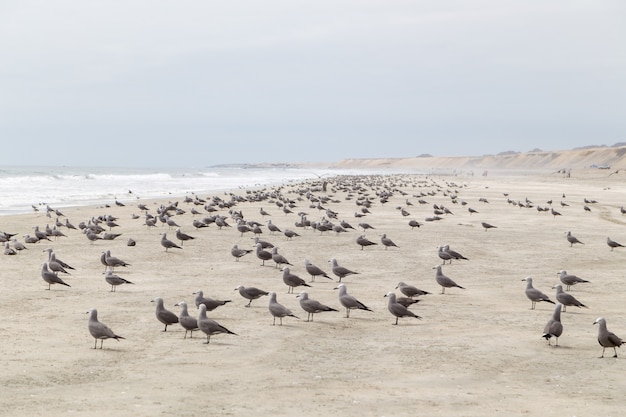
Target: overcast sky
(202, 82)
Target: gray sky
(201, 82)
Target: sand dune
(615, 157)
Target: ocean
(21, 188)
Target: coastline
(474, 352)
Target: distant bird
(348, 301)
(454, 254)
(488, 226)
(189, 323)
(566, 299)
(183, 237)
(340, 271)
(397, 309)
(278, 258)
(8, 250)
(272, 227)
(569, 279)
(444, 256)
(239, 253)
(314, 270)
(410, 290)
(250, 293)
(444, 281)
(131, 242)
(278, 310)
(114, 280)
(113, 262)
(363, 241)
(533, 294)
(471, 211)
(606, 338)
(414, 224)
(554, 212)
(210, 327)
(168, 244)
(50, 277)
(572, 239)
(163, 315)
(553, 327)
(210, 303)
(99, 330)
(292, 280)
(262, 254)
(386, 241)
(312, 306)
(290, 234)
(613, 244)
(366, 226)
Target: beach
(475, 351)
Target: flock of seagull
(99, 229)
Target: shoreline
(475, 351)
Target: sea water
(22, 188)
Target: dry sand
(476, 352)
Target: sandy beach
(476, 351)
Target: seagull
(163, 315)
(190, 324)
(348, 301)
(168, 244)
(99, 330)
(533, 294)
(613, 244)
(569, 279)
(314, 271)
(363, 241)
(553, 327)
(398, 309)
(278, 310)
(210, 327)
(115, 280)
(340, 271)
(312, 306)
(572, 239)
(410, 290)
(239, 253)
(444, 281)
(606, 338)
(488, 226)
(386, 241)
(250, 293)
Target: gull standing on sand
(250, 293)
(348, 301)
(278, 310)
(168, 244)
(553, 327)
(99, 330)
(569, 279)
(210, 303)
(606, 338)
(189, 323)
(572, 239)
(114, 280)
(533, 294)
(363, 241)
(613, 244)
(444, 281)
(488, 226)
(183, 237)
(311, 306)
(387, 242)
(112, 262)
(164, 316)
(410, 290)
(340, 271)
(566, 299)
(314, 271)
(262, 254)
(397, 309)
(210, 327)
(51, 277)
(279, 259)
(239, 253)
(292, 280)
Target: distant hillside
(582, 158)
